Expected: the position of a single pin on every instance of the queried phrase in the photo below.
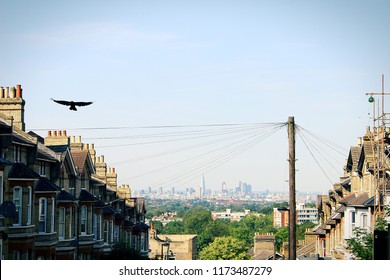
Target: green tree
(225, 248)
(281, 235)
(212, 230)
(174, 227)
(301, 229)
(362, 244)
(246, 228)
(196, 220)
(158, 226)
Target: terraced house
(357, 201)
(58, 199)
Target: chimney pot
(59, 133)
(113, 170)
(79, 139)
(6, 93)
(1, 92)
(49, 133)
(64, 132)
(55, 133)
(18, 91)
(12, 92)
(72, 139)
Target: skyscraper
(203, 186)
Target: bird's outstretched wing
(62, 102)
(82, 103)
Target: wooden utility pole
(292, 249)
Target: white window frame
(29, 206)
(100, 227)
(364, 221)
(95, 226)
(17, 153)
(116, 234)
(70, 222)
(42, 168)
(18, 201)
(112, 231)
(52, 216)
(143, 241)
(84, 220)
(42, 214)
(106, 230)
(61, 223)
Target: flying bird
(72, 104)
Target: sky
(168, 78)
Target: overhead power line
(150, 127)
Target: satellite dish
(8, 209)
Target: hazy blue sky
(157, 63)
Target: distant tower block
(224, 189)
(203, 186)
(12, 105)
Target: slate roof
(108, 210)
(65, 156)
(263, 255)
(59, 148)
(99, 204)
(371, 201)
(353, 158)
(128, 224)
(86, 196)
(359, 200)
(96, 182)
(320, 230)
(346, 182)
(46, 153)
(368, 147)
(33, 134)
(45, 185)
(346, 199)
(19, 139)
(65, 196)
(21, 171)
(140, 226)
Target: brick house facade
(57, 199)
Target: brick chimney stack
(56, 138)
(76, 144)
(12, 105)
